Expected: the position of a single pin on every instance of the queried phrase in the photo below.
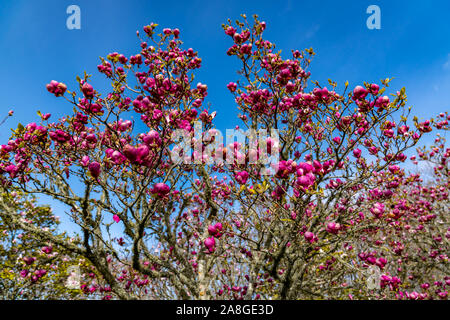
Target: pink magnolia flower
(84, 161)
(57, 88)
(232, 86)
(304, 181)
(24, 273)
(403, 130)
(215, 230)
(130, 152)
(29, 260)
(413, 295)
(393, 168)
(94, 169)
(230, 31)
(40, 273)
(142, 152)
(373, 150)
(359, 93)
(306, 167)
(210, 243)
(357, 153)
(443, 294)
(388, 133)
(47, 249)
(310, 237)
(381, 262)
(374, 88)
(277, 192)
(378, 209)
(337, 140)
(87, 90)
(241, 177)
(161, 189)
(152, 138)
(333, 227)
(116, 218)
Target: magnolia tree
(321, 209)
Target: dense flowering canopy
(339, 201)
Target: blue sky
(35, 46)
(413, 45)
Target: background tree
(33, 267)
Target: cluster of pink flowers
(34, 277)
(47, 249)
(57, 88)
(391, 281)
(210, 244)
(241, 177)
(215, 230)
(137, 155)
(160, 189)
(333, 227)
(378, 209)
(310, 237)
(305, 174)
(370, 258)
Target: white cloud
(447, 63)
(312, 32)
